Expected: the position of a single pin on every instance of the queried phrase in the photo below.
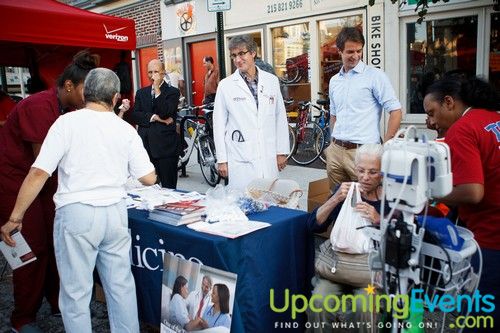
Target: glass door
(329, 58)
(445, 43)
(494, 56)
(291, 59)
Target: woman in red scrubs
(20, 140)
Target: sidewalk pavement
(194, 182)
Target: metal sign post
(219, 6)
(220, 45)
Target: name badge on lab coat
(270, 99)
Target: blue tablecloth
(278, 257)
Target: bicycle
(296, 69)
(195, 130)
(323, 120)
(291, 131)
(308, 135)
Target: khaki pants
(339, 165)
(325, 321)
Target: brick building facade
(146, 15)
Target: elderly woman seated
(367, 164)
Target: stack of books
(178, 213)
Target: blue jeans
(489, 284)
(86, 237)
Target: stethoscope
(220, 313)
(237, 136)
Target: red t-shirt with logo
(28, 123)
(474, 142)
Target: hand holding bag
(344, 258)
(345, 237)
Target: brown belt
(345, 144)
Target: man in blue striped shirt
(358, 94)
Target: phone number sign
(218, 5)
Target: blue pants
(489, 284)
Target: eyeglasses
(239, 54)
(370, 172)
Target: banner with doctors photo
(196, 297)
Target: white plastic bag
(222, 205)
(345, 237)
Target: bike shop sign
(375, 35)
(186, 23)
(188, 18)
(218, 5)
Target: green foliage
(421, 7)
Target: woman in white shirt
(178, 313)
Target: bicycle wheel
(293, 141)
(309, 144)
(208, 160)
(291, 74)
(186, 142)
(326, 135)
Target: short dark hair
(223, 294)
(243, 40)
(473, 92)
(351, 34)
(208, 59)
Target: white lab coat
(193, 302)
(264, 131)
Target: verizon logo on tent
(111, 34)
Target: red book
(178, 213)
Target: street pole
(220, 45)
(3, 79)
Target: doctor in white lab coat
(250, 125)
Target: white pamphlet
(229, 229)
(18, 255)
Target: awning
(44, 35)
(54, 23)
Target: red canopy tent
(45, 34)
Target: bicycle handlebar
(304, 104)
(197, 107)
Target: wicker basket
(278, 192)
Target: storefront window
(172, 54)
(291, 48)
(330, 60)
(494, 75)
(436, 48)
(20, 82)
